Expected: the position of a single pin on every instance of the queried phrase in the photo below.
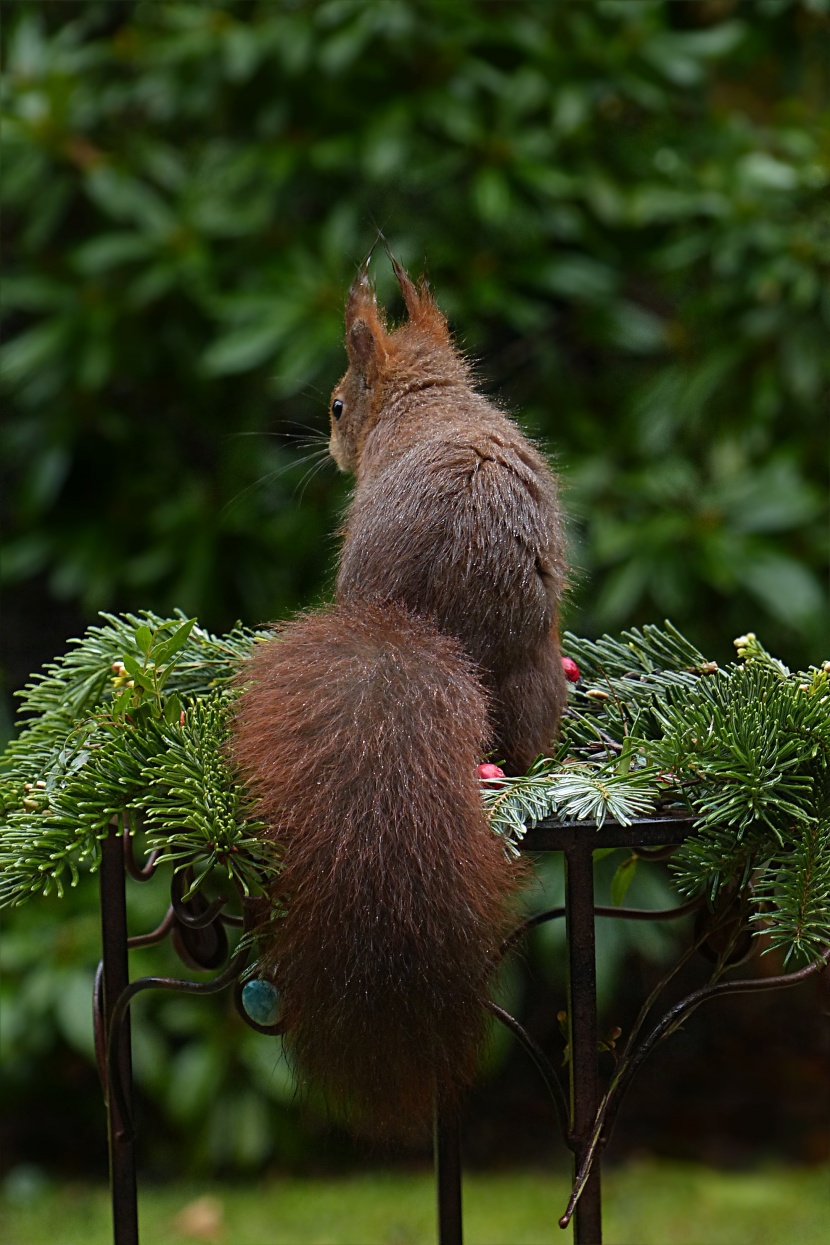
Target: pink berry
(571, 669)
(490, 771)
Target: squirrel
(360, 726)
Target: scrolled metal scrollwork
(198, 928)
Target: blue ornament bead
(261, 1000)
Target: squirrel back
(455, 514)
(360, 726)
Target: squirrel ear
(364, 348)
(420, 305)
(365, 331)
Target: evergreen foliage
(129, 724)
(654, 726)
(132, 724)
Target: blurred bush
(622, 207)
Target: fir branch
(750, 649)
(571, 791)
(710, 861)
(746, 741)
(82, 679)
(623, 680)
(196, 809)
(640, 662)
(88, 756)
(133, 721)
(794, 889)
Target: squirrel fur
(360, 726)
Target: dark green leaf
(144, 640)
(622, 879)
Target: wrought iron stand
(585, 1116)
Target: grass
(647, 1203)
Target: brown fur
(455, 513)
(360, 727)
(360, 733)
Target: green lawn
(659, 1203)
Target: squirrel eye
(337, 408)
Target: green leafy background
(622, 207)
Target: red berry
(571, 669)
(490, 771)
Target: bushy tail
(359, 730)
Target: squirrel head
(386, 365)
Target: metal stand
(448, 1177)
(197, 930)
(585, 1115)
(111, 981)
(582, 1034)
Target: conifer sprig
(571, 792)
(654, 725)
(132, 723)
(194, 808)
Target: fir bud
(571, 669)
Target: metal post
(116, 978)
(448, 1176)
(582, 1031)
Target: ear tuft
(365, 330)
(362, 302)
(421, 307)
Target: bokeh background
(624, 209)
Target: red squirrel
(360, 726)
